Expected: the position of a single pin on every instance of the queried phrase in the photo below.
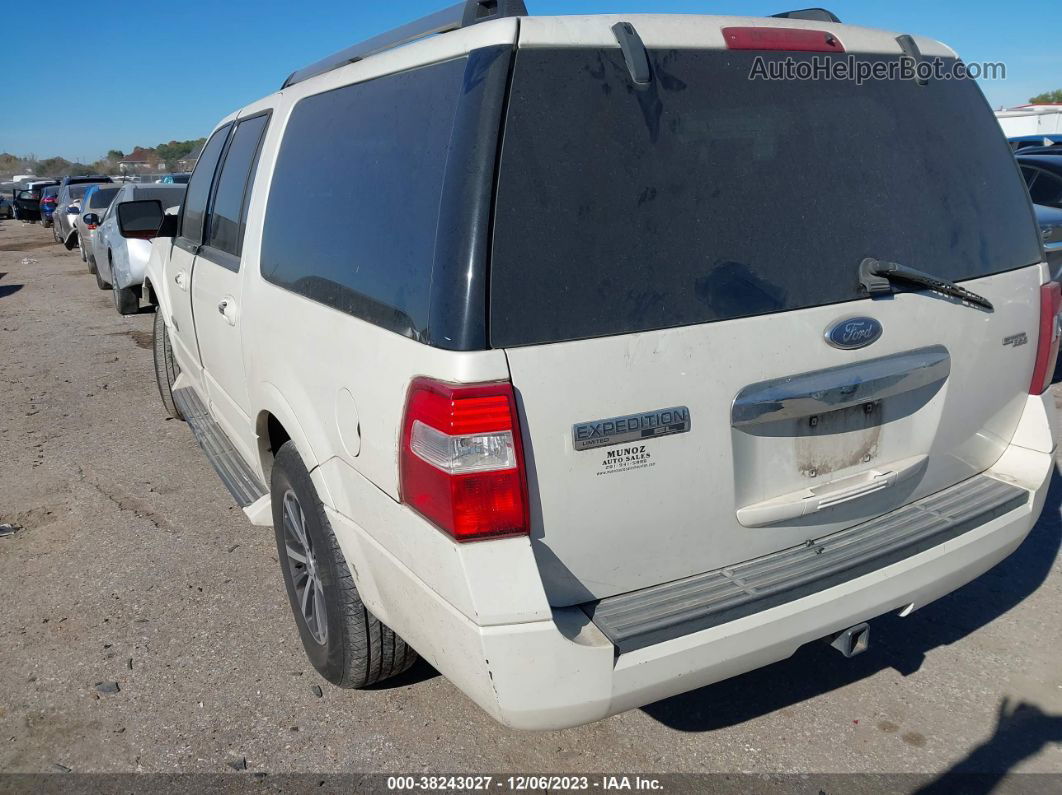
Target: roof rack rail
(813, 14)
(455, 17)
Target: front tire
(166, 367)
(346, 643)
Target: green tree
(1048, 98)
(53, 167)
(115, 154)
(176, 150)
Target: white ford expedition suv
(599, 358)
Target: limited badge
(632, 427)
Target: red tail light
(786, 39)
(90, 226)
(1050, 333)
(462, 461)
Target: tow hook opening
(851, 641)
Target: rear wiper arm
(877, 276)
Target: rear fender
(269, 400)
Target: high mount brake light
(462, 461)
(781, 39)
(1050, 334)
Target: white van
(571, 356)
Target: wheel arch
(149, 294)
(275, 424)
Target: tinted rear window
(102, 197)
(354, 204)
(170, 197)
(711, 196)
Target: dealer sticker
(623, 459)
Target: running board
(241, 481)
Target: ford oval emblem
(853, 332)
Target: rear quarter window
(102, 198)
(354, 202)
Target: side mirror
(73, 209)
(140, 219)
(91, 220)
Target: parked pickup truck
(668, 381)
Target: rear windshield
(711, 196)
(170, 196)
(77, 191)
(102, 197)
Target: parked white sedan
(120, 261)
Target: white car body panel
(497, 618)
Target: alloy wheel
(305, 577)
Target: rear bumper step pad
(663, 612)
(241, 481)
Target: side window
(1046, 190)
(237, 178)
(354, 204)
(193, 213)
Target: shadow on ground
(1022, 731)
(899, 643)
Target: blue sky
(141, 73)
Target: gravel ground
(144, 625)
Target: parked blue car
(47, 205)
(1019, 142)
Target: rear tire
(346, 643)
(126, 301)
(103, 285)
(166, 368)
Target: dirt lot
(133, 566)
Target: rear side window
(710, 196)
(195, 206)
(170, 196)
(354, 204)
(234, 183)
(1044, 187)
(102, 197)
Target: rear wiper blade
(877, 277)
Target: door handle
(812, 500)
(227, 309)
(179, 280)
